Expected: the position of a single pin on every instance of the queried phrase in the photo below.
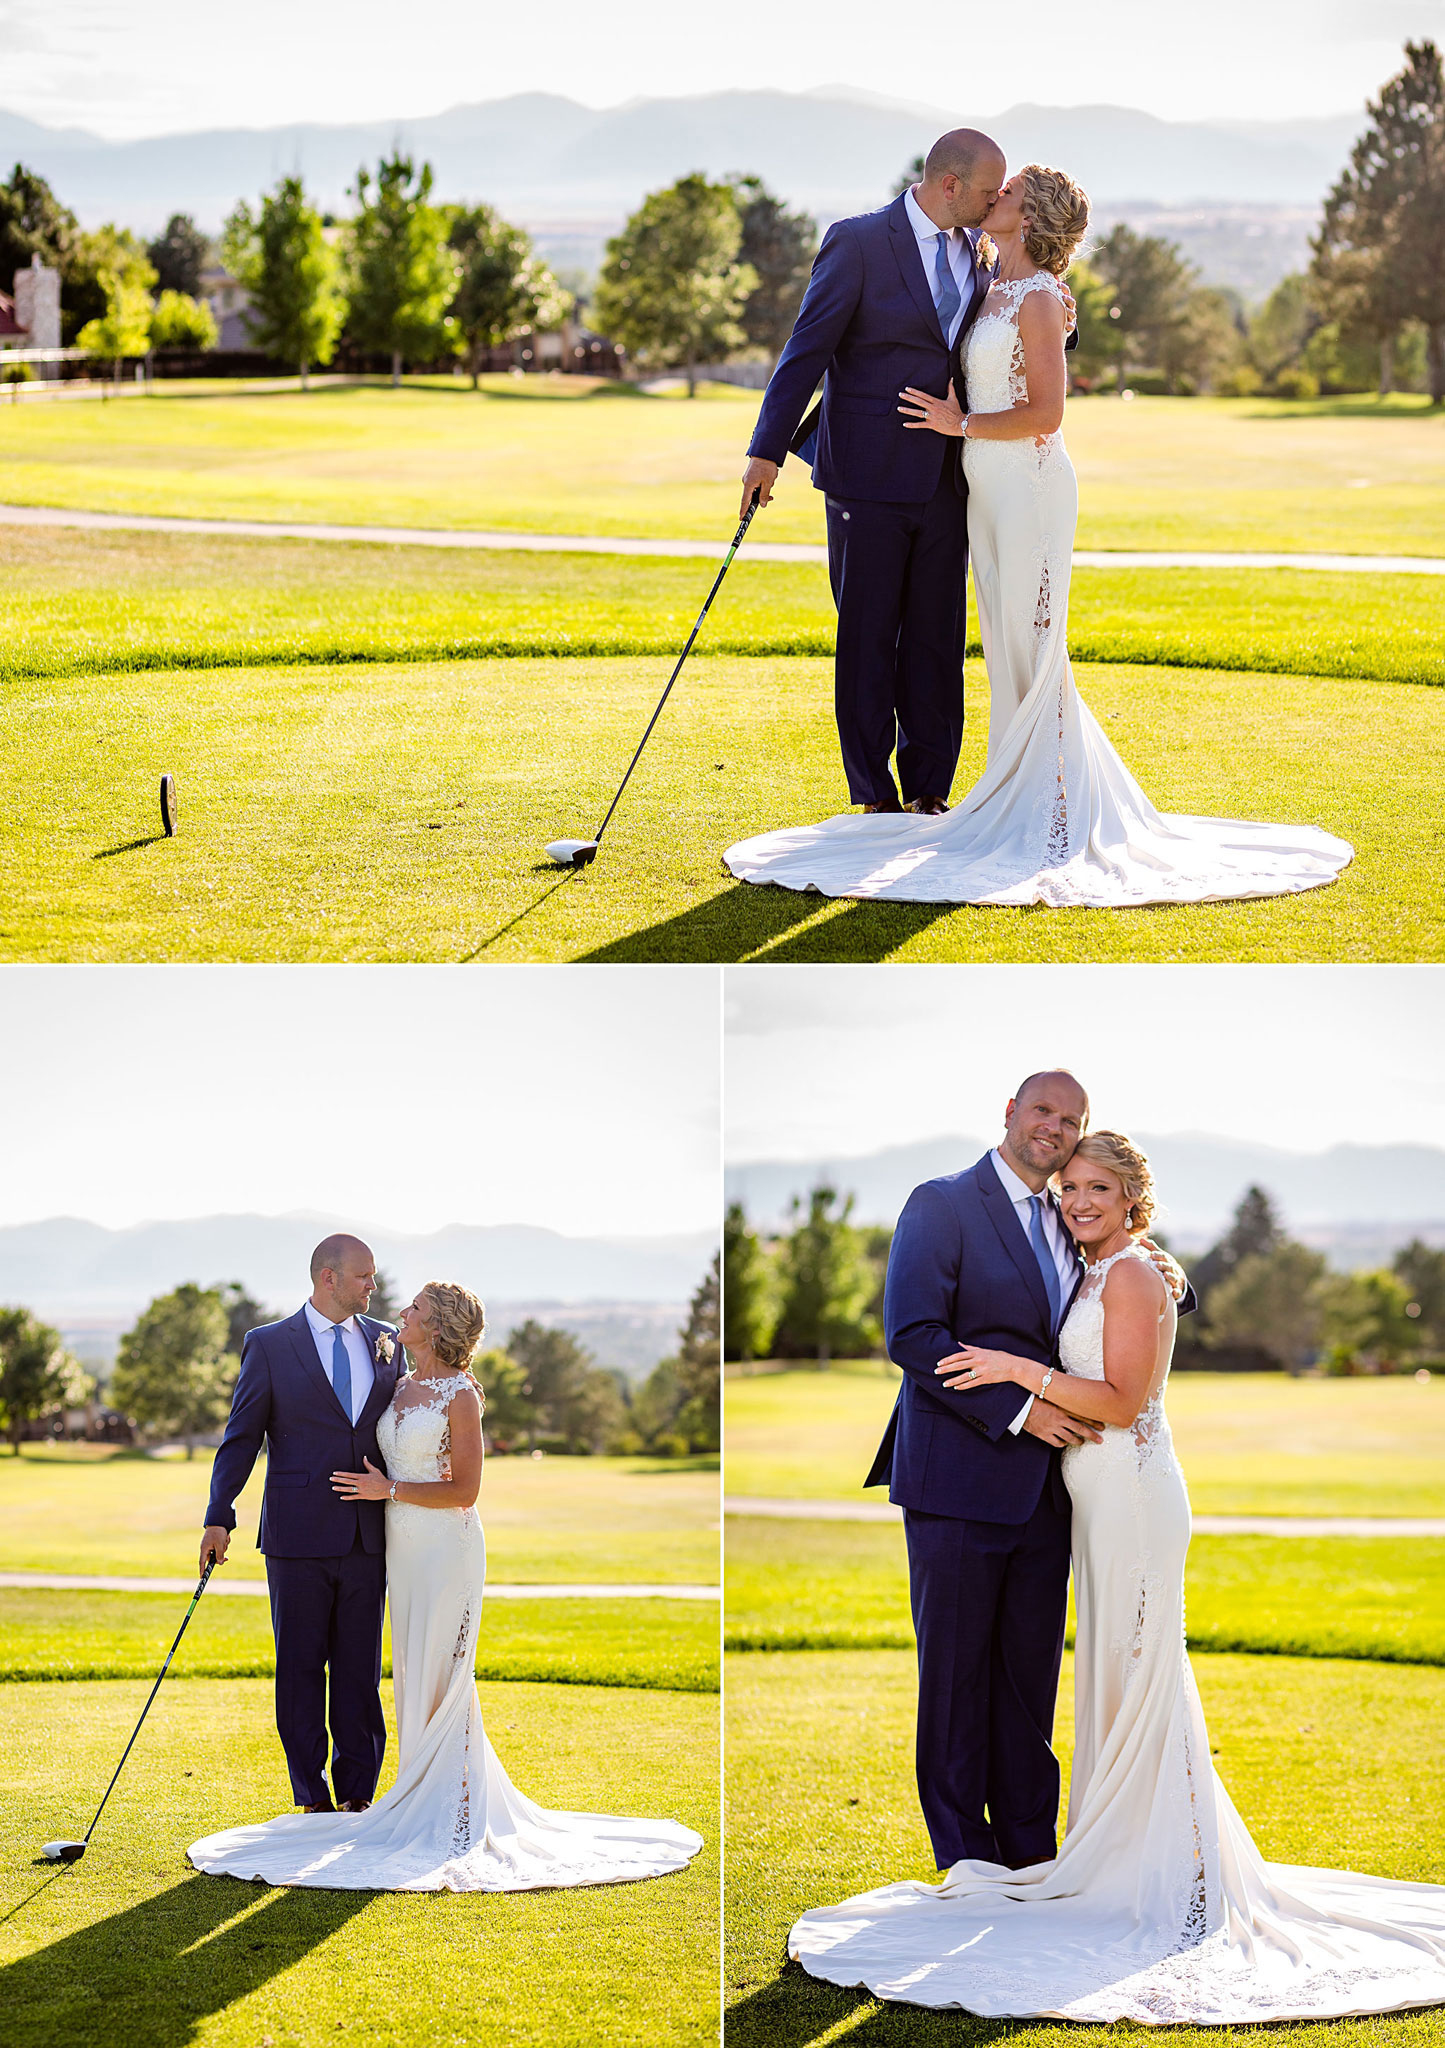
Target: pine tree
(747, 1323)
(698, 1366)
(780, 247)
(1380, 252)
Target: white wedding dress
(453, 1821)
(1158, 1907)
(1055, 817)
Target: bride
(1055, 817)
(453, 1821)
(1158, 1907)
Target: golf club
(170, 805)
(576, 853)
(71, 1852)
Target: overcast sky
(841, 1061)
(142, 67)
(584, 1100)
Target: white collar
(321, 1324)
(918, 220)
(1017, 1190)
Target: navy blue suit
(325, 1557)
(986, 1516)
(896, 502)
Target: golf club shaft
(746, 522)
(210, 1567)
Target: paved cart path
(775, 1509)
(713, 550)
(79, 1582)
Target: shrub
(1242, 382)
(17, 373)
(1294, 383)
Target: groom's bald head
(1046, 1116)
(1054, 1081)
(961, 176)
(343, 1276)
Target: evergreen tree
(673, 287)
(826, 1283)
(34, 223)
(384, 1305)
(1149, 287)
(509, 1407)
(37, 1373)
(779, 247)
(1421, 1267)
(504, 290)
(243, 1314)
(403, 274)
(1380, 251)
(179, 256)
(1254, 1231)
(747, 1321)
(174, 1373)
(698, 1366)
(292, 276)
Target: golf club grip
(201, 1587)
(677, 671)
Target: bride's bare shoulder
(1135, 1280)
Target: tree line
(815, 1290)
(177, 1366)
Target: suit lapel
(1001, 1214)
(383, 1372)
(303, 1345)
(910, 264)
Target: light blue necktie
(341, 1368)
(1045, 1257)
(947, 297)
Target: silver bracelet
(1044, 1382)
(394, 1485)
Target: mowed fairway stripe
(1204, 1525)
(76, 1582)
(711, 550)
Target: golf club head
(63, 1852)
(572, 853)
(170, 806)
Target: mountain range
(1357, 1202)
(556, 165)
(67, 1269)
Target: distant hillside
(1355, 1201)
(73, 1271)
(560, 166)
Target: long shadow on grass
(796, 2009)
(131, 846)
(746, 921)
(151, 1975)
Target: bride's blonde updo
(457, 1322)
(1056, 216)
(1122, 1157)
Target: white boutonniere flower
(385, 1350)
(987, 250)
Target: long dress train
(1055, 817)
(1158, 1908)
(453, 1821)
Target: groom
(983, 1257)
(891, 296)
(312, 1389)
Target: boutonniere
(987, 251)
(385, 1350)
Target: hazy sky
(828, 1061)
(140, 67)
(584, 1100)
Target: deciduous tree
(182, 322)
(37, 1373)
(826, 1282)
(673, 288)
(403, 273)
(174, 1373)
(747, 1316)
(504, 289)
(1274, 1300)
(292, 277)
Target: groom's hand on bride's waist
(1051, 1426)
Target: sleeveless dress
(453, 1821)
(1158, 1907)
(1056, 817)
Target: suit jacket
(866, 328)
(962, 1271)
(284, 1400)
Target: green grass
(389, 812)
(1330, 1764)
(79, 603)
(131, 1946)
(842, 1585)
(567, 456)
(668, 1645)
(558, 1520)
(1250, 1443)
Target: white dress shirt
(363, 1369)
(959, 258)
(1066, 1259)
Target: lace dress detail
(453, 1821)
(1056, 817)
(1158, 1907)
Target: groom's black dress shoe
(327, 1808)
(353, 1806)
(927, 806)
(875, 810)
